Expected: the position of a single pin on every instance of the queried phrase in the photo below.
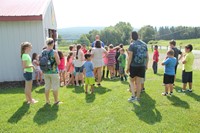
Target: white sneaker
(77, 85)
(132, 99)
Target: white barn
(23, 20)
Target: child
(122, 64)
(105, 60)
(70, 68)
(169, 63)
(111, 61)
(38, 71)
(155, 59)
(89, 75)
(28, 70)
(117, 63)
(187, 68)
(61, 68)
(84, 49)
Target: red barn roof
(22, 10)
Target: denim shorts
(79, 69)
(28, 76)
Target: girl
(38, 71)
(28, 70)
(97, 54)
(78, 63)
(61, 68)
(70, 68)
(111, 61)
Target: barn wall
(11, 36)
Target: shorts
(176, 68)
(137, 71)
(79, 69)
(186, 77)
(121, 70)
(61, 71)
(28, 76)
(117, 66)
(89, 81)
(168, 79)
(52, 81)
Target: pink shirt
(111, 57)
(62, 64)
(70, 66)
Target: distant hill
(76, 32)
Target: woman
(97, 55)
(28, 70)
(78, 64)
(51, 76)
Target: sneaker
(132, 99)
(164, 94)
(125, 77)
(122, 79)
(143, 90)
(171, 93)
(190, 90)
(77, 85)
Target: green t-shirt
(189, 58)
(27, 59)
(122, 60)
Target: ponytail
(78, 48)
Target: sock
(107, 73)
(103, 74)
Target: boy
(155, 59)
(169, 74)
(122, 63)
(187, 68)
(89, 75)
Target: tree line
(120, 33)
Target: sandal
(58, 102)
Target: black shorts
(186, 77)
(137, 71)
(121, 70)
(117, 66)
(79, 69)
(28, 76)
(168, 79)
(176, 68)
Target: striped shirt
(111, 57)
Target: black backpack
(45, 61)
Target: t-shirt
(80, 61)
(139, 49)
(88, 66)
(176, 53)
(122, 60)
(189, 58)
(27, 58)
(170, 64)
(111, 57)
(93, 44)
(156, 56)
(98, 57)
(61, 66)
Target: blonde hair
(24, 45)
(49, 41)
(170, 52)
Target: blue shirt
(170, 64)
(88, 66)
(139, 49)
(93, 44)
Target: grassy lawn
(105, 111)
(182, 43)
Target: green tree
(83, 40)
(147, 33)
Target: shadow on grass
(89, 98)
(14, 90)
(176, 101)
(45, 114)
(193, 95)
(101, 90)
(17, 116)
(178, 80)
(78, 89)
(159, 74)
(146, 110)
(41, 91)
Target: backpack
(45, 61)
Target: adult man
(97, 38)
(137, 64)
(177, 52)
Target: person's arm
(130, 56)
(185, 60)
(180, 56)
(25, 66)
(165, 62)
(147, 61)
(57, 57)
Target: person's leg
(37, 77)
(138, 84)
(55, 95)
(107, 72)
(171, 88)
(40, 73)
(76, 78)
(184, 86)
(153, 66)
(28, 88)
(47, 87)
(103, 74)
(156, 67)
(55, 86)
(47, 91)
(95, 73)
(64, 79)
(132, 83)
(99, 75)
(190, 86)
(82, 78)
(86, 88)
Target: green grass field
(182, 43)
(105, 111)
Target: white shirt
(98, 57)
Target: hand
(127, 70)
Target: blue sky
(80, 13)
